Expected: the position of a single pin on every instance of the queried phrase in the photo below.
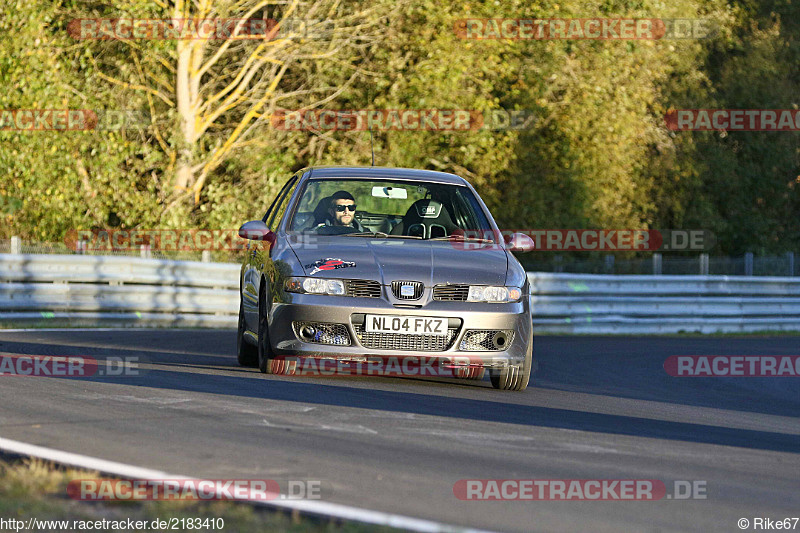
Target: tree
(222, 91)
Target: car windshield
(390, 208)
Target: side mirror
(256, 230)
(519, 242)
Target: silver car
(353, 263)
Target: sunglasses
(341, 208)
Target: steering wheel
(336, 230)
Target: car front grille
(363, 288)
(402, 341)
(451, 293)
(418, 286)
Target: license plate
(413, 325)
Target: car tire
(472, 372)
(515, 377)
(267, 363)
(264, 346)
(246, 353)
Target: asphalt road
(599, 408)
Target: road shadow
(176, 375)
(633, 368)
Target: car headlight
(481, 293)
(315, 286)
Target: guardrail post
(80, 247)
(656, 264)
(609, 264)
(790, 261)
(16, 245)
(748, 264)
(144, 251)
(704, 264)
(206, 256)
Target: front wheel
(267, 363)
(470, 373)
(511, 377)
(246, 353)
(515, 377)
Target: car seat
(426, 218)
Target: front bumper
(349, 311)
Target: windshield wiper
(367, 234)
(380, 234)
(461, 238)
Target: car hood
(387, 260)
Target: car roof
(411, 174)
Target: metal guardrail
(116, 291)
(600, 304)
(659, 264)
(106, 290)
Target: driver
(341, 211)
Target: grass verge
(32, 488)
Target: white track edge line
(324, 508)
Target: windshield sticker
(329, 263)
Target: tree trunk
(185, 175)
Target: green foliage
(750, 181)
(597, 155)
